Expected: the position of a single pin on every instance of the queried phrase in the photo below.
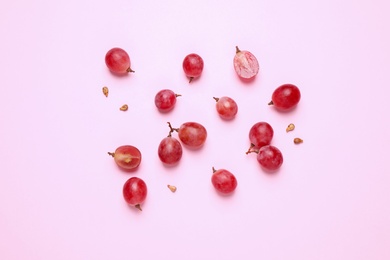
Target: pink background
(61, 194)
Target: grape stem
(138, 206)
(252, 149)
(172, 129)
(177, 95)
(271, 103)
(191, 78)
(112, 154)
(237, 49)
(130, 70)
(216, 99)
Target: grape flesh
(285, 97)
(270, 157)
(193, 66)
(127, 157)
(245, 64)
(118, 61)
(261, 134)
(170, 150)
(223, 181)
(165, 100)
(226, 107)
(192, 134)
(135, 192)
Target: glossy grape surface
(261, 134)
(165, 100)
(285, 97)
(245, 64)
(224, 181)
(193, 66)
(226, 107)
(270, 157)
(127, 157)
(135, 192)
(170, 150)
(192, 134)
(118, 61)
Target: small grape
(193, 66)
(165, 100)
(192, 134)
(285, 97)
(270, 157)
(170, 150)
(118, 61)
(226, 107)
(127, 157)
(260, 134)
(245, 64)
(135, 192)
(223, 181)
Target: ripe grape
(226, 107)
(135, 191)
(165, 100)
(260, 134)
(193, 66)
(285, 97)
(223, 181)
(270, 157)
(245, 64)
(127, 157)
(118, 61)
(170, 150)
(192, 134)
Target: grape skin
(261, 134)
(223, 181)
(245, 64)
(135, 192)
(226, 107)
(118, 61)
(270, 157)
(170, 151)
(192, 134)
(165, 100)
(286, 97)
(193, 66)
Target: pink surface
(61, 194)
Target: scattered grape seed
(105, 91)
(298, 140)
(172, 188)
(290, 127)
(124, 107)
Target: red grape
(165, 100)
(127, 157)
(285, 97)
(135, 191)
(261, 134)
(226, 107)
(223, 181)
(192, 134)
(270, 157)
(193, 66)
(118, 61)
(170, 150)
(245, 64)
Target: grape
(260, 134)
(223, 181)
(285, 97)
(118, 61)
(170, 150)
(226, 107)
(193, 66)
(135, 191)
(127, 157)
(192, 134)
(245, 64)
(270, 157)
(165, 100)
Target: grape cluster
(193, 135)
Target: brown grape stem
(191, 78)
(178, 95)
(172, 129)
(138, 206)
(252, 149)
(112, 154)
(271, 103)
(216, 99)
(130, 70)
(237, 49)
(214, 170)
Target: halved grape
(127, 157)
(245, 64)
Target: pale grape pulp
(245, 64)
(127, 157)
